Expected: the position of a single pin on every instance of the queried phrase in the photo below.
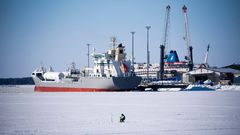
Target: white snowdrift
(214, 87)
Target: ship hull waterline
(64, 89)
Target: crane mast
(187, 38)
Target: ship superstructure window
(121, 51)
(40, 76)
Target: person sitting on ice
(122, 118)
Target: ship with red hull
(111, 72)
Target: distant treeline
(16, 81)
(234, 66)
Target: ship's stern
(127, 83)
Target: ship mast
(113, 39)
(88, 60)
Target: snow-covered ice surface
(16, 88)
(147, 113)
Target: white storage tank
(53, 76)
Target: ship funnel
(172, 57)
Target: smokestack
(162, 47)
(190, 63)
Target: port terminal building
(215, 75)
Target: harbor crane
(206, 56)
(189, 57)
(166, 26)
(165, 41)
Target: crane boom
(206, 56)
(186, 36)
(166, 26)
(189, 57)
(165, 42)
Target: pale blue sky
(56, 32)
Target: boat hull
(65, 89)
(88, 84)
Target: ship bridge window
(40, 76)
(33, 73)
(121, 51)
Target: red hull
(63, 89)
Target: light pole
(133, 50)
(88, 59)
(148, 59)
